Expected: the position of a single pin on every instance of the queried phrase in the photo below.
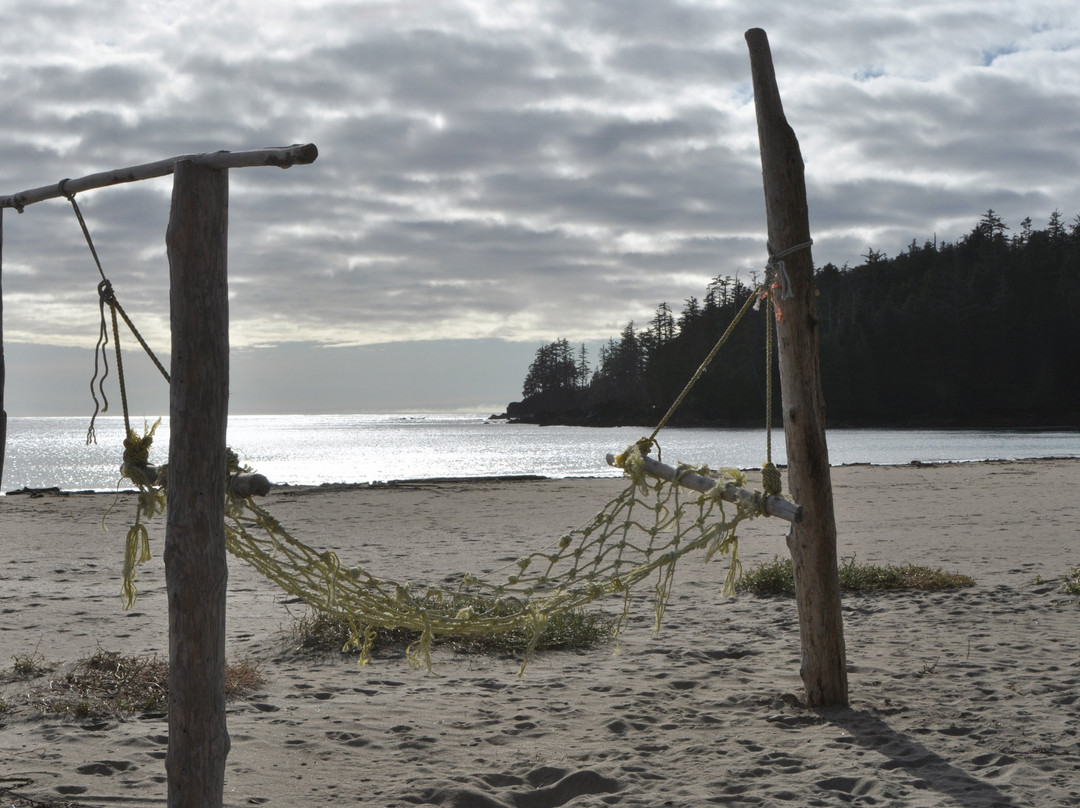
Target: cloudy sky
(493, 173)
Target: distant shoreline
(420, 482)
(381, 449)
(648, 421)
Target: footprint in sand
(106, 768)
(348, 738)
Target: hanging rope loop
(778, 287)
(101, 369)
(771, 480)
(107, 297)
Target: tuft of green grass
(777, 577)
(1070, 583)
(30, 665)
(861, 578)
(566, 631)
(321, 632)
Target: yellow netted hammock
(644, 531)
(641, 533)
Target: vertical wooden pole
(3, 366)
(195, 563)
(813, 541)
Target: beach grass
(110, 683)
(321, 632)
(777, 577)
(29, 665)
(1070, 583)
(574, 630)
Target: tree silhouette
(981, 332)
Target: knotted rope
(107, 297)
(777, 284)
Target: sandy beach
(966, 698)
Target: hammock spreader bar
(244, 485)
(773, 506)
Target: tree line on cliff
(981, 332)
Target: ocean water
(316, 449)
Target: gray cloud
(509, 171)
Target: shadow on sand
(927, 769)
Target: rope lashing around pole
(776, 264)
(777, 283)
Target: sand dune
(967, 698)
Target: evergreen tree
(553, 372)
(978, 332)
(581, 380)
(1054, 227)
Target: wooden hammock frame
(195, 563)
(195, 566)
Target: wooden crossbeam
(280, 156)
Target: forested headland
(983, 332)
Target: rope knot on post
(771, 480)
(136, 466)
(776, 268)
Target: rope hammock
(641, 533)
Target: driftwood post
(812, 541)
(3, 368)
(195, 565)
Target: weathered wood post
(812, 541)
(3, 368)
(196, 572)
(195, 569)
